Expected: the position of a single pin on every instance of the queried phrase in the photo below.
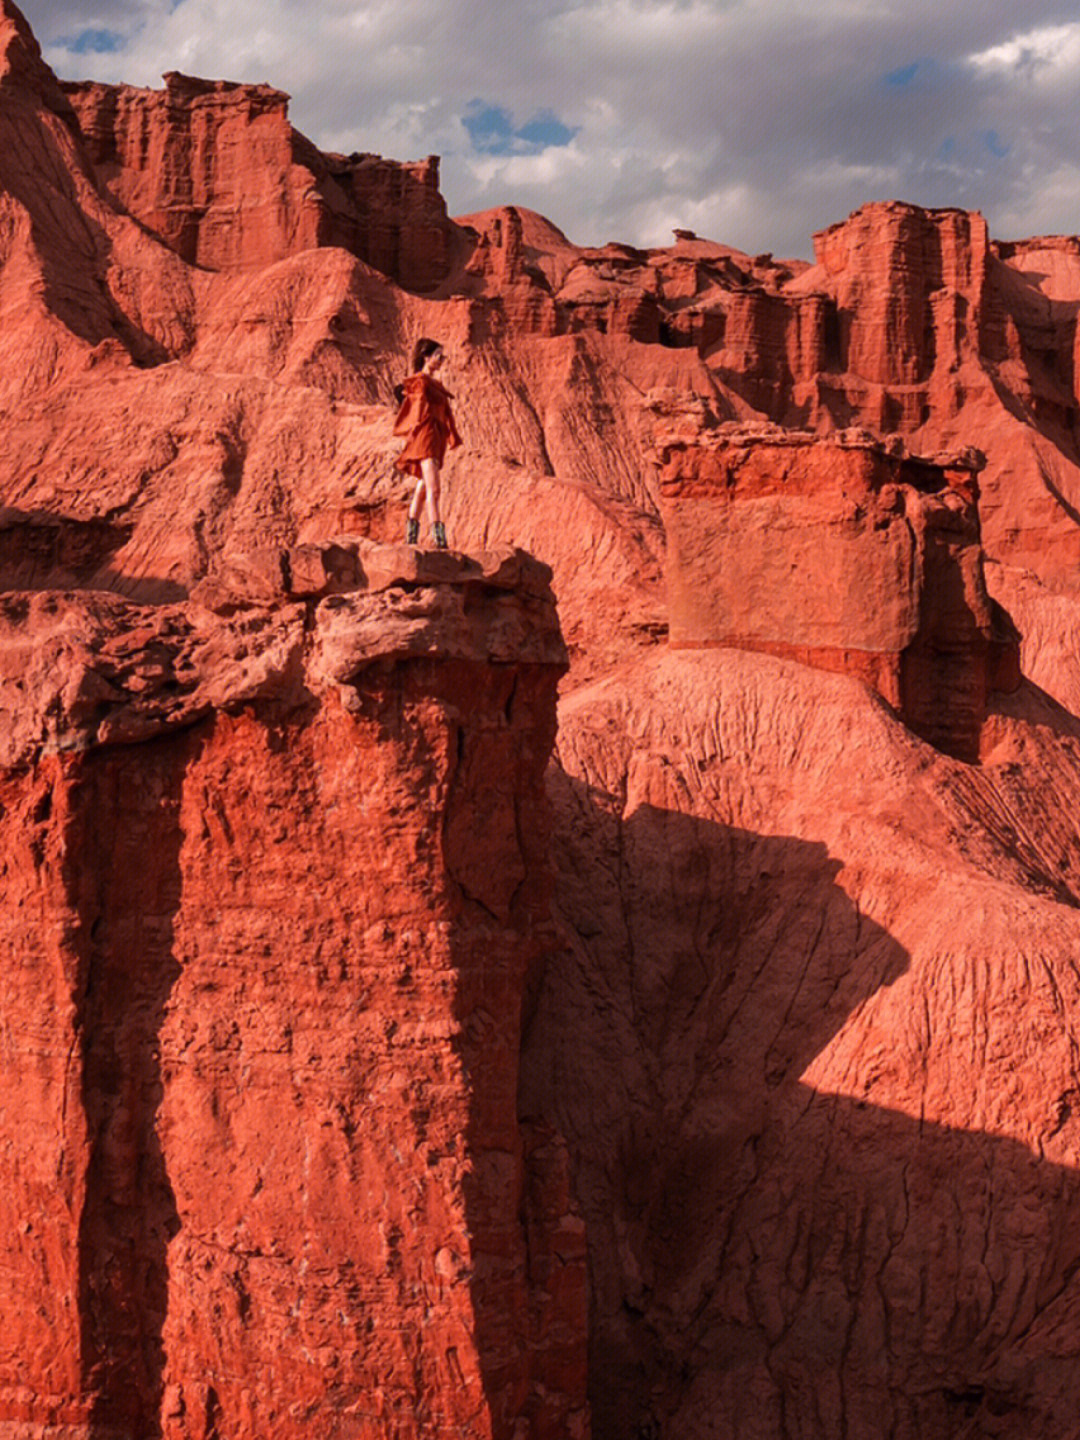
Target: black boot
(412, 532)
(440, 535)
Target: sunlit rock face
(842, 554)
(218, 174)
(274, 879)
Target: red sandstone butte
(218, 174)
(362, 1079)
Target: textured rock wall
(206, 167)
(217, 173)
(843, 556)
(401, 226)
(910, 322)
(42, 1120)
(803, 1035)
(802, 1044)
(274, 881)
(908, 288)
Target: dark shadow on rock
(126, 874)
(495, 848)
(1049, 418)
(766, 1259)
(1037, 707)
(845, 1270)
(44, 550)
(140, 589)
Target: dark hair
(421, 351)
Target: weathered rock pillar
(275, 871)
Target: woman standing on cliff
(425, 417)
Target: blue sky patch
(94, 42)
(490, 128)
(903, 77)
(493, 132)
(546, 129)
(994, 143)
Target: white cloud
(835, 176)
(753, 121)
(564, 165)
(1045, 51)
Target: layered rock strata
(274, 876)
(217, 173)
(841, 553)
(910, 321)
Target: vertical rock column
(43, 1139)
(909, 288)
(307, 895)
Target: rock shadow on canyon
(47, 550)
(526, 1266)
(128, 821)
(768, 1258)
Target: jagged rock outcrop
(273, 882)
(911, 321)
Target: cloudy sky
(753, 122)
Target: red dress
(425, 417)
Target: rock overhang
(82, 668)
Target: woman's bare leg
(417, 503)
(430, 483)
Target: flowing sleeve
(415, 407)
(453, 439)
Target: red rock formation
(796, 1062)
(903, 281)
(806, 1035)
(218, 174)
(262, 1051)
(840, 554)
(910, 322)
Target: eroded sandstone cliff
(218, 174)
(844, 554)
(333, 1050)
(273, 880)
